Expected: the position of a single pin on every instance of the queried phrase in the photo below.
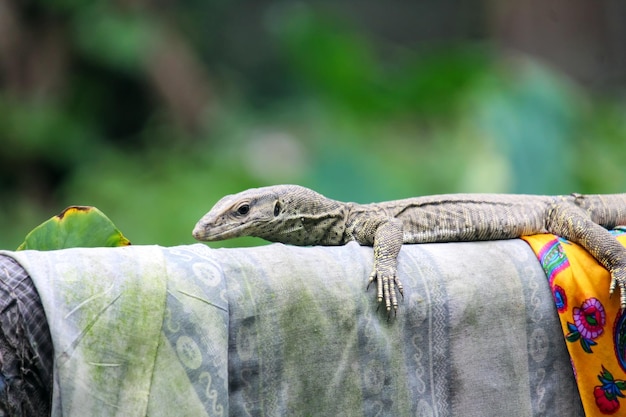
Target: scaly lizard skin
(299, 216)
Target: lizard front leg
(387, 245)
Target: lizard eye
(243, 209)
(277, 209)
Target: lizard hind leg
(575, 224)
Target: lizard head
(282, 213)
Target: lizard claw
(618, 280)
(386, 287)
(399, 286)
(379, 286)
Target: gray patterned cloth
(290, 331)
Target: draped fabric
(593, 324)
(284, 330)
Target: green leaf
(606, 376)
(586, 344)
(573, 336)
(76, 226)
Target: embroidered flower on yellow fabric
(589, 321)
(607, 395)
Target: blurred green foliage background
(152, 110)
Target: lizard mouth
(217, 232)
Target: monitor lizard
(296, 215)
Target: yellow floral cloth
(593, 324)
